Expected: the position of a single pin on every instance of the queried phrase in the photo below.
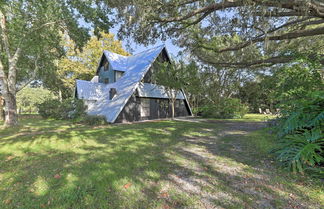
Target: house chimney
(112, 93)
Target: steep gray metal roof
(155, 91)
(135, 68)
(90, 90)
(117, 61)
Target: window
(145, 107)
(106, 66)
(118, 74)
(106, 81)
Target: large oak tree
(30, 37)
(251, 30)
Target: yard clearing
(190, 163)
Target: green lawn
(165, 164)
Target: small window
(106, 66)
(119, 74)
(106, 80)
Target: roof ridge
(148, 50)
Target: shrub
(301, 134)
(93, 120)
(68, 109)
(49, 108)
(226, 108)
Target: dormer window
(106, 66)
(118, 75)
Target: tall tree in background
(81, 63)
(239, 25)
(30, 38)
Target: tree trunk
(172, 109)
(60, 95)
(11, 116)
(2, 113)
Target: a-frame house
(122, 90)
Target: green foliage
(259, 93)
(293, 82)
(169, 75)
(220, 32)
(69, 109)
(226, 108)
(49, 108)
(301, 134)
(282, 87)
(28, 98)
(66, 110)
(93, 120)
(172, 76)
(34, 28)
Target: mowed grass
(165, 164)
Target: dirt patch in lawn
(222, 170)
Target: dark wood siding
(131, 111)
(135, 109)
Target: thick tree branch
(256, 63)
(285, 36)
(281, 14)
(4, 34)
(297, 8)
(208, 9)
(3, 80)
(269, 62)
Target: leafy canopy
(251, 28)
(33, 28)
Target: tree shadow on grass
(151, 165)
(247, 172)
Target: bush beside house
(69, 109)
(225, 109)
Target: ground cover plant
(185, 163)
